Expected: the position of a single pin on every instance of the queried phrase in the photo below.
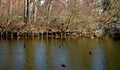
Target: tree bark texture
(30, 10)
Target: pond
(57, 54)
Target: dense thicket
(57, 15)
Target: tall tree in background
(30, 10)
(47, 7)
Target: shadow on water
(56, 54)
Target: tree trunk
(34, 10)
(30, 10)
(26, 11)
(10, 7)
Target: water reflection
(10, 57)
(3, 56)
(98, 59)
(60, 57)
(18, 55)
(29, 55)
(40, 55)
(56, 54)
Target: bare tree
(30, 10)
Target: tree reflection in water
(40, 56)
(60, 57)
(59, 54)
(98, 59)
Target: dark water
(53, 54)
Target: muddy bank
(101, 33)
(48, 34)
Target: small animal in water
(63, 65)
(60, 46)
(24, 46)
(90, 53)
